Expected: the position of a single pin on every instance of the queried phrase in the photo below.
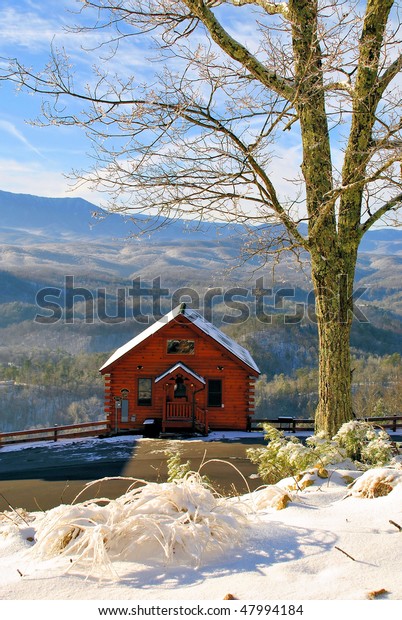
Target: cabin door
(183, 406)
(179, 399)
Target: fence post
(55, 433)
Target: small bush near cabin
(287, 456)
(364, 443)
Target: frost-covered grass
(181, 522)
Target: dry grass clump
(176, 522)
(376, 482)
(271, 496)
(229, 597)
(305, 479)
(377, 593)
(348, 480)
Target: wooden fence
(96, 429)
(294, 425)
(53, 433)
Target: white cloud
(12, 130)
(25, 30)
(36, 178)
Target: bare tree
(199, 139)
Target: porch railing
(179, 411)
(201, 416)
(176, 413)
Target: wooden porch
(188, 416)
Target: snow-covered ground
(124, 439)
(320, 540)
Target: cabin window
(180, 347)
(144, 392)
(215, 393)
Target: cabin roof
(183, 367)
(198, 320)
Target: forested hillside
(58, 388)
(70, 293)
(50, 388)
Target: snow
(320, 539)
(60, 444)
(180, 366)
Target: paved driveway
(45, 475)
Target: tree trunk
(334, 311)
(334, 385)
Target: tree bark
(334, 312)
(332, 270)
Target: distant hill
(55, 219)
(58, 219)
(45, 239)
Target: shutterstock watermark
(146, 302)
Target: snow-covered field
(318, 540)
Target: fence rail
(53, 433)
(294, 425)
(94, 429)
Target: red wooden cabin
(183, 374)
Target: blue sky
(33, 159)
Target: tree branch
(270, 7)
(366, 98)
(239, 53)
(392, 205)
(389, 74)
(276, 206)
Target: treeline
(55, 368)
(49, 388)
(27, 407)
(377, 385)
(377, 390)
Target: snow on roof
(215, 333)
(183, 367)
(198, 320)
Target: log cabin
(181, 374)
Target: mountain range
(28, 217)
(43, 240)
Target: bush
(176, 470)
(364, 444)
(287, 456)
